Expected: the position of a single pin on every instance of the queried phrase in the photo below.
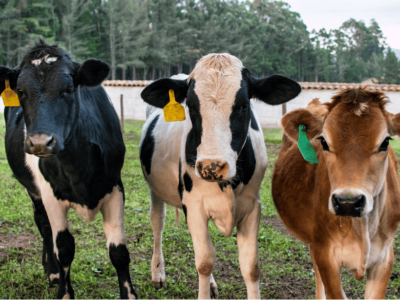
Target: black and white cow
(211, 165)
(64, 144)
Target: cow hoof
(213, 288)
(162, 283)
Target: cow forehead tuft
(223, 63)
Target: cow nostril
(51, 142)
(359, 202)
(336, 200)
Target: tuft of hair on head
(220, 62)
(358, 99)
(41, 50)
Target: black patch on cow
(188, 182)
(253, 122)
(180, 184)
(120, 259)
(185, 211)
(147, 149)
(240, 118)
(65, 244)
(245, 164)
(194, 136)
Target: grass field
(286, 268)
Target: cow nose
(351, 206)
(213, 170)
(40, 144)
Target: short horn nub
(213, 170)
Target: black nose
(348, 207)
(40, 144)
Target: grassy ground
(286, 266)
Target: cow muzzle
(41, 144)
(212, 170)
(348, 205)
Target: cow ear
(156, 93)
(394, 124)
(274, 90)
(10, 74)
(91, 73)
(292, 120)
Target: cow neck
(76, 120)
(366, 229)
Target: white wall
(269, 116)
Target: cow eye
(385, 144)
(244, 107)
(20, 92)
(323, 143)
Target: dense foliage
(148, 39)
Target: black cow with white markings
(64, 144)
(211, 165)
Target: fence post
(283, 109)
(122, 114)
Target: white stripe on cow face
(217, 80)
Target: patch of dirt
(15, 240)
(278, 225)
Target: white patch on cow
(112, 209)
(130, 296)
(218, 79)
(361, 108)
(47, 59)
(36, 62)
(54, 276)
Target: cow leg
(203, 248)
(319, 285)
(378, 277)
(213, 287)
(64, 243)
(329, 271)
(157, 217)
(49, 262)
(113, 223)
(247, 239)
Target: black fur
(157, 93)
(147, 149)
(180, 184)
(194, 136)
(273, 90)
(119, 256)
(90, 72)
(188, 182)
(253, 122)
(65, 243)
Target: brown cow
(347, 207)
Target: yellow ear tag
(9, 97)
(173, 111)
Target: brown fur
(301, 191)
(205, 268)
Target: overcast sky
(330, 14)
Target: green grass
(286, 269)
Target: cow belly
(32, 162)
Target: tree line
(149, 39)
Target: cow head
(218, 93)
(48, 86)
(354, 132)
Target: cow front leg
(64, 243)
(49, 261)
(113, 222)
(157, 217)
(329, 271)
(247, 239)
(319, 285)
(203, 248)
(378, 277)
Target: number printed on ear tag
(173, 111)
(10, 98)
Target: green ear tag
(305, 147)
